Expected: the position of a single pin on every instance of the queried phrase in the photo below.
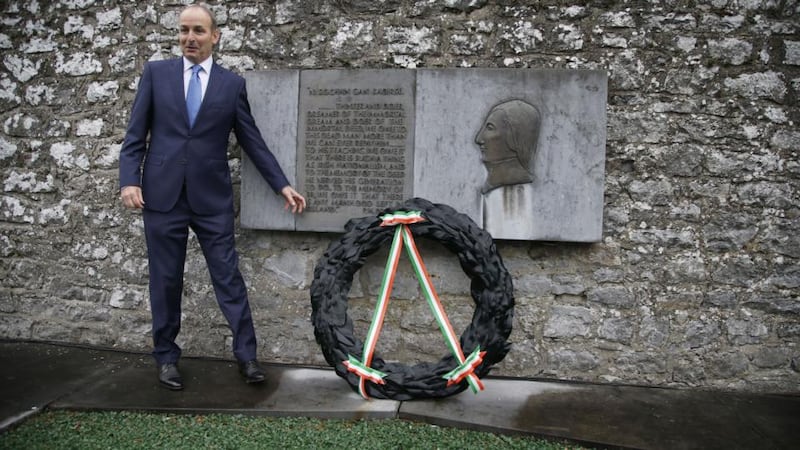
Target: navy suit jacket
(175, 155)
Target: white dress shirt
(203, 74)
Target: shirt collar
(206, 65)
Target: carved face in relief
(507, 141)
(492, 138)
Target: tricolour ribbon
(359, 367)
(465, 369)
(362, 368)
(401, 217)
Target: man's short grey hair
(207, 9)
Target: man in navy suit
(174, 166)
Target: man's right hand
(131, 197)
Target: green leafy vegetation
(129, 430)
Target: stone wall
(694, 285)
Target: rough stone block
(792, 55)
(568, 321)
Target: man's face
(196, 36)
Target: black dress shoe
(169, 377)
(252, 372)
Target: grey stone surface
(354, 145)
(568, 321)
(602, 416)
(338, 150)
(285, 392)
(275, 113)
(350, 136)
(700, 193)
(565, 200)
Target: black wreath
(490, 287)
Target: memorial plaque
(520, 151)
(355, 141)
(275, 114)
(558, 116)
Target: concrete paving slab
(34, 375)
(618, 416)
(215, 386)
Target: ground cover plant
(135, 430)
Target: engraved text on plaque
(355, 143)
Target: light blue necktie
(194, 95)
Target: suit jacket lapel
(176, 80)
(215, 84)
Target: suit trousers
(167, 236)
